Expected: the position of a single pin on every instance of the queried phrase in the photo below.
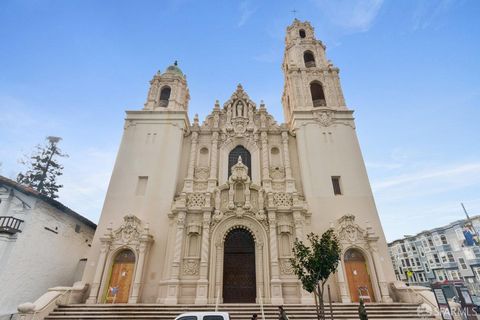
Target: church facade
(200, 213)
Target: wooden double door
(121, 277)
(239, 285)
(359, 282)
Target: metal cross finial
(294, 13)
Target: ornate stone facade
(239, 169)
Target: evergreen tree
(313, 264)
(43, 169)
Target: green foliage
(43, 169)
(313, 264)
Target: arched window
(309, 59)
(301, 32)
(203, 158)
(239, 151)
(318, 97)
(165, 96)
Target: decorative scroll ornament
(324, 117)
(190, 267)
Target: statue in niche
(239, 181)
(229, 119)
(239, 109)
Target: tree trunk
(320, 296)
(315, 297)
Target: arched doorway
(359, 282)
(239, 268)
(121, 277)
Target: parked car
(204, 316)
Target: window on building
(440, 274)
(403, 248)
(407, 262)
(77, 228)
(318, 97)
(412, 262)
(414, 248)
(141, 186)
(302, 34)
(427, 268)
(417, 262)
(444, 258)
(476, 271)
(430, 242)
(435, 257)
(459, 233)
(454, 275)
(421, 277)
(239, 151)
(309, 59)
(450, 257)
(462, 263)
(165, 96)
(403, 263)
(443, 239)
(336, 186)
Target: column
(259, 271)
(212, 180)
(98, 274)
(380, 275)
(306, 298)
(172, 288)
(275, 284)
(265, 168)
(218, 273)
(188, 187)
(137, 282)
(288, 170)
(202, 284)
(344, 294)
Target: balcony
(10, 225)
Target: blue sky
(410, 70)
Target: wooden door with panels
(121, 277)
(358, 277)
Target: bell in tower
(311, 81)
(168, 90)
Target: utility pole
(470, 220)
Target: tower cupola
(168, 90)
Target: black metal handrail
(10, 225)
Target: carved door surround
(352, 236)
(131, 235)
(219, 234)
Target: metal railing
(10, 225)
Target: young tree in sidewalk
(43, 168)
(313, 264)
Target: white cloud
(427, 12)
(246, 11)
(85, 181)
(466, 173)
(352, 15)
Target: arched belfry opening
(165, 96)
(240, 151)
(309, 59)
(318, 96)
(302, 34)
(239, 278)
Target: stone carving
(196, 200)
(282, 200)
(190, 267)
(286, 267)
(129, 231)
(277, 173)
(239, 182)
(200, 186)
(324, 117)
(202, 173)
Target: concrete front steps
(344, 311)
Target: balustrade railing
(10, 225)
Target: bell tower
(311, 81)
(168, 90)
